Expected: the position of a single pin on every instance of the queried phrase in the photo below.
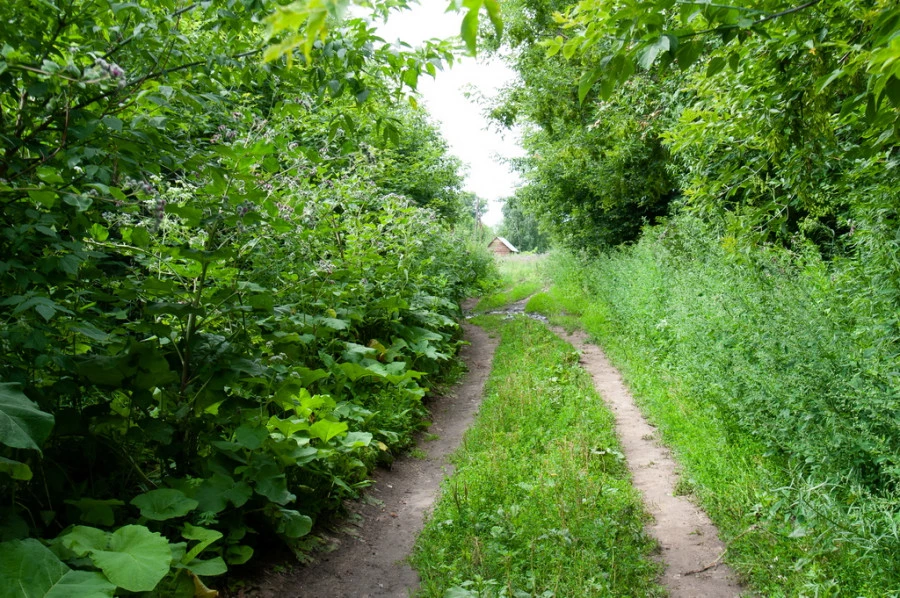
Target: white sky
(460, 119)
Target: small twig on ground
(718, 559)
(715, 563)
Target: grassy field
(540, 503)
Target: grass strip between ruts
(540, 503)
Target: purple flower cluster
(113, 70)
(224, 132)
(160, 210)
(144, 186)
(284, 210)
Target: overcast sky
(460, 119)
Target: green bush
(214, 320)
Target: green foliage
(847, 41)
(760, 319)
(28, 568)
(596, 172)
(540, 502)
(23, 426)
(421, 169)
(762, 372)
(217, 314)
(781, 116)
(511, 295)
(777, 123)
(134, 558)
(164, 503)
(302, 23)
(519, 278)
(522, 228)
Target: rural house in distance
(501, 246)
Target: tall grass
(540, 503)
(781, 409)
(516, 269)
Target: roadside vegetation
(722, 182)
(233, 249)
(520, 277)
(752, 376)
(228, 279)
(540, 503)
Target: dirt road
(370, 562)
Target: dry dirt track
(691, 549)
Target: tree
(787, 105)
(522, 228)
(596, 171)
(421, 167)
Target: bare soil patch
(690, 547)
(370, 561)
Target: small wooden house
(501, 246)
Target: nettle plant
(214, 322)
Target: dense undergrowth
(760, 369)
(226, 284)
(540, 503)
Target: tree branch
(756, 23)
(778, 15)
(13, 150)
(130, 38)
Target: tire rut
(690, 547)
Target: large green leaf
(213, 566)
(272, 483)
(137, 558)
(82, 540)
(250, 437)
(354, 371)
(326, 430)
(82, 584)
(204, 538)
(357, 439)
(22, 424)
(28, 569)
(98, 512)
(468, 31)
(238, 554)
(164, 503)
(292, 524)
(15, 469)
(215, 493)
